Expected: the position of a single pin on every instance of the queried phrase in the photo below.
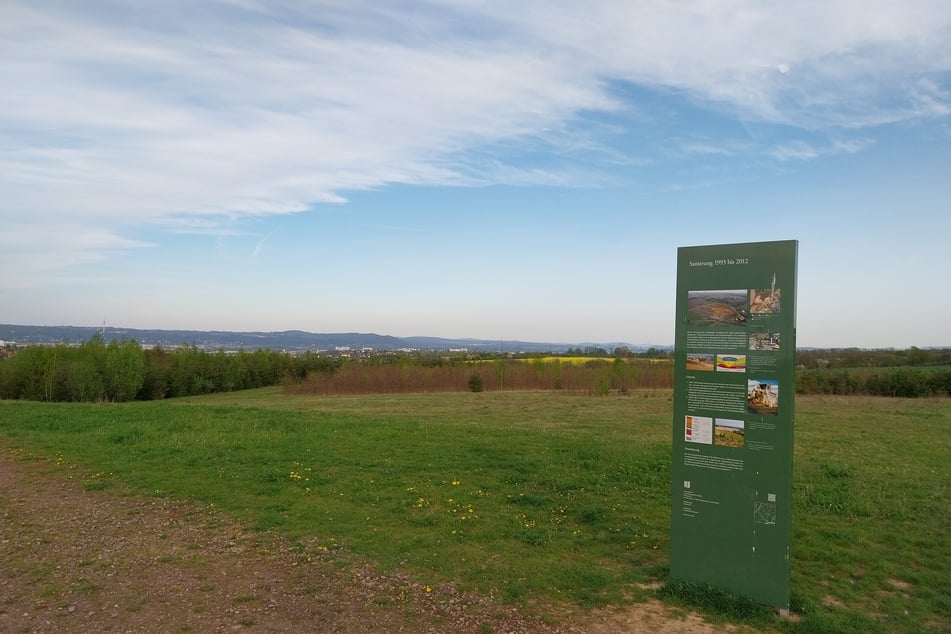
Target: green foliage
(475, 382)
(833, 358)
(910, 373)
(122, 371)
(90, 372)
(893, 382)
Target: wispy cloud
(804, 151)
(63, 246)
(191, 115)
(260, 243)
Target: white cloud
(63, 246)
(802, 151)
(795, 150)
(190, 114)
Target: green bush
(475, 383)
(894, 382)
(122, 371)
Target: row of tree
(124, 371)
(900, 382)
(878, 358)
(620, 352)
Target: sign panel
(735, 346)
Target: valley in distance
(290, 340)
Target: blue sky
(471, 169)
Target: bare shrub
(594, 377)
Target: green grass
(535, 495)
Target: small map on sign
(764, 512)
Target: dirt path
(73, 560)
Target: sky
(484, 169)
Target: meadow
(537, 496)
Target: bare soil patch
(75, 560)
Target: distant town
(297, 341)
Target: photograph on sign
(700, 362)
(731, 363)
(765, 301)
(763, 396)
(717, 308)
(765, 341)
(729, 432)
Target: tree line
(911, 373)
(123, 371)
(897, 382)
(872, 358)
(95, 371)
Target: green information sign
(735, 347)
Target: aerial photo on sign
(716, 308)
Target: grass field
(535, 495)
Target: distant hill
(291, 340)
